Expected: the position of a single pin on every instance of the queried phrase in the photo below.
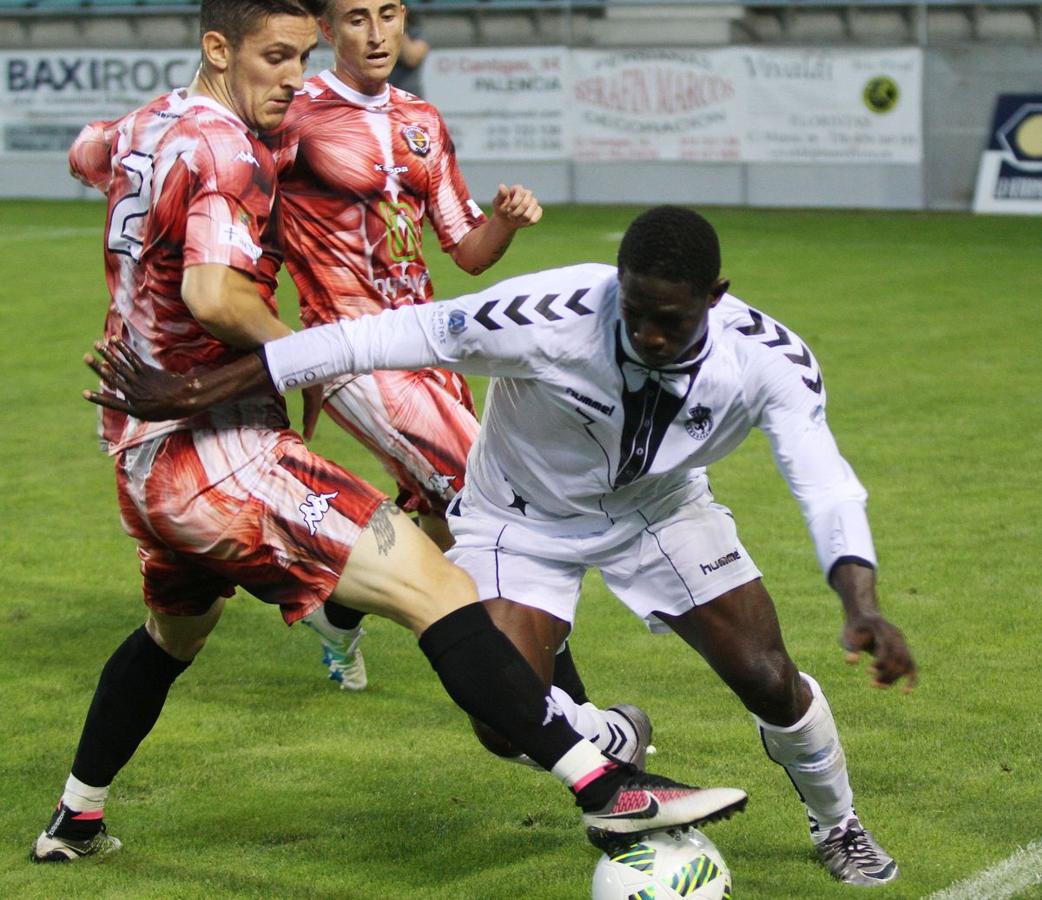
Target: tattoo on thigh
(383, 529)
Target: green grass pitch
(262, 780)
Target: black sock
(487, 677)
(127, 702)
(342, 616)
(566, 676)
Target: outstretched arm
(832, 501)
(512, 208)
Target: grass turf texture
(262, 780)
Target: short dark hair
(673, 243)
(236, 19)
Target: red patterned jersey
(358, 175)
(187, 184)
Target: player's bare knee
(770, 687)
(184, 647)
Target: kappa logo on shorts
(439, 483)
(315, 508)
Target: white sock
(319, 621)
(811, 753)
(580, 765)
(83, 797)
(608, 730)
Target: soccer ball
(665, 865)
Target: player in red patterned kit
(232, 497)
(362, 164)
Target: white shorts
(687, 558)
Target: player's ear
(717, 291)
(325, 24)
(217, 51)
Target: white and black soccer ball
(666, 865)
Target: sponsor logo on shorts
(314, 509)
(720, 563)
(700, 423)
(457, 321)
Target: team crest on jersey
(700, 423)
(457, 321)
(417, 139)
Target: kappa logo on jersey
(700, 423)
(246, 157)
(457, 321)
(782, 339)
(417, 139)
(390, 170)
(314, 509)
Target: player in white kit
(613, 389)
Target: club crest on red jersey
(417, 139)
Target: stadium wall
(962, 75)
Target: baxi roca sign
(47, 96)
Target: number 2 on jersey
(126, 226)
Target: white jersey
(577, 433)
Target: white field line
(47, 234)
(1002, 881)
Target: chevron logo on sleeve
(521, 312)
(761, 326)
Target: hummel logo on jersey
(700, 423)
(782, 339)
(246, 157)
(315, 508)
(721, 562)
(515, 312)
(590, 402)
